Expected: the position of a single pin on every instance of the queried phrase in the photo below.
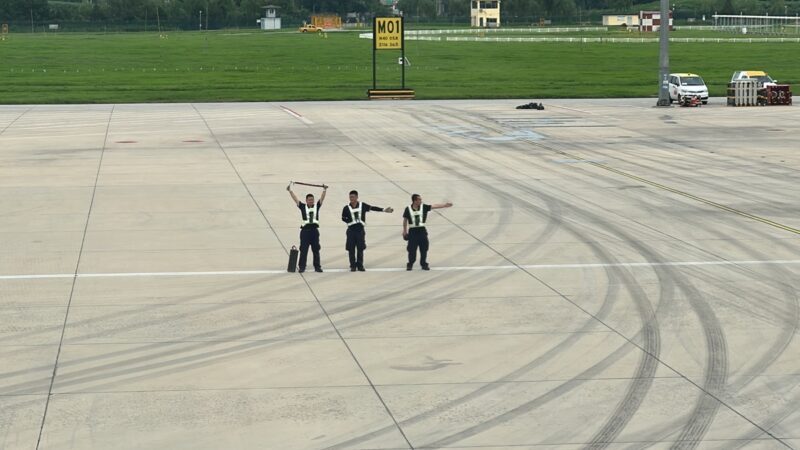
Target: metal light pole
(663, 52)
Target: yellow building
(485, 13)
(326, 21)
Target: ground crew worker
(414, 218)
(354, 215)
(309, 228)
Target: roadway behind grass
(231, 66)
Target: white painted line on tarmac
(36, 277)
(661, 264)
(179, 274)
(402, 269)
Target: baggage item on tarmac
(293, 259)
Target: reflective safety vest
(311, 217)
(355, 215)
(417, 217)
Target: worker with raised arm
(309, 227)
(415, 217)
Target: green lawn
(231, 66)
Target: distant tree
(707, 7)
(560, 8)
(418, 8)
(522, 10)
(753, 7)
(458, 8)
(777, 7)
(727, 7)
(24, 9)
(250, 10)
(621, 6)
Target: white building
(629, 20)
(270, 21)
(393, 5)
(485, 13)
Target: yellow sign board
(388, 33)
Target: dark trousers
(418, 239)
(356, 243)
(309, 237)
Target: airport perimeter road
(612, 275)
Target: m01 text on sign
(388, 33)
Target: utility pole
(663, 53)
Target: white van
(687, 84)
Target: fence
(505, 30)
(757, 24)
(743, 93)
(135, 26)
(641, 40)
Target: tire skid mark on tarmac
(131, 367)
(776, 350)
(147, 307)
(666, 146)
(637, 391)
(649, 364)
(652, 138)
(553, 217)
(548, 355)
(706, 182)
(790, 294)
(716, 361)
(663, 432)
(716, 368)
(770, 356)
(147, 366)
(706, 408)
(404, 422)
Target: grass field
(231, 66)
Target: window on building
(475, 5)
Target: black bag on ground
(292, 259)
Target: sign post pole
(374, 49)
(403, 52)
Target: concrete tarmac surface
(613, 275)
